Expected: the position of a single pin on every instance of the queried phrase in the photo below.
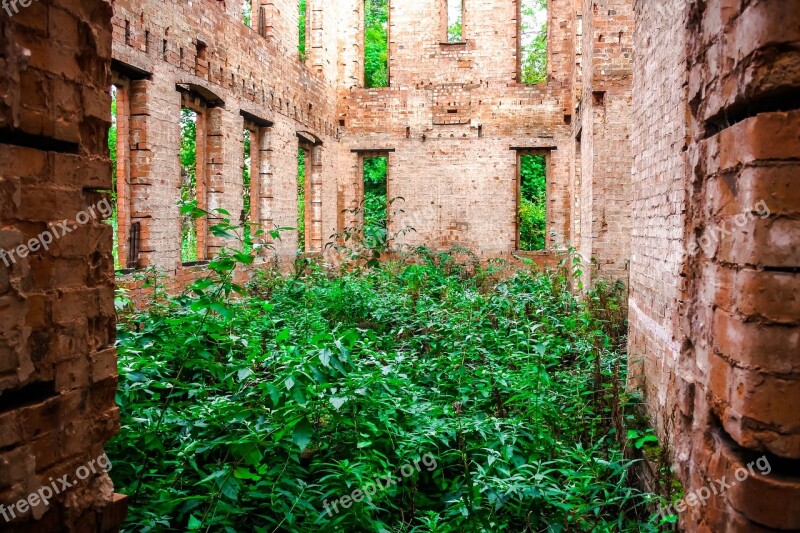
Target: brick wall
(658, 140)
(452, 114)
(714, 281)
(58, 371)
(236, 76)
(454, 117)
(603, 129)
(678, 159)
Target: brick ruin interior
(658, 121)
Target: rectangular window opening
(455, 21)
(376, 43)
(375, 203)
(247, 184)
(188, 192)
(247, 13)
(532, 42)
(303, 30)
(116, 174)
(302, 186)
(532, 203)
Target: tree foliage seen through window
(534, 41)
(376, 43)
(302, 29)
(301, 199)
(247, 12)
(112, 154)
(532, 202)
(375, 201)
(188, 156)
(455, 21)
(246, 182)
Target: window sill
(195, 264)
(301, 254)
(457, 43)
(533, 253)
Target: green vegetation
(301, 200)
(113, 221)
(303, 29)
(533, 202)
(376, 43)
(188, 157)
(247, 199)
(455, 21)
(247, 408)
(534, 41)
(375, 201)
(247, 12)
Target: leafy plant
(245, 408)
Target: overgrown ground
(486, 396)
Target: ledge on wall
(310, 138)
(204, 90)
(252, 115)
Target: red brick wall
(714, 317)
(658, 141)
(603, 129)
(456, 170)
(58, 371)
(241, 72)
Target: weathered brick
(753, 345)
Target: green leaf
(338, 402)
(194, 523)
(302, 433)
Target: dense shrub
(246, 414)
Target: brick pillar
(204, 169)
(607, 59)
(265, 181)
(122, 171)
(56, 330)
(744, 257)
(141, 168)
(314, 200)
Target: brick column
(314, 199)
(743, 257)
(58, 369)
